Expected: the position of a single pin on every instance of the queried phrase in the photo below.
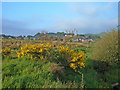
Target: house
(26, 38)
(9, 37)
(68, 35)
(85, 41)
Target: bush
(72, 59)
(6, 52)
(106, 49)
(35, 51)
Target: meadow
(52, 64)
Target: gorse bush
(6, 52)
(42, 64)
(64, 55)
(75, 60)
(35, 51)
(78, 61)
(39, 64)
(106, 49)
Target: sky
(28, 18)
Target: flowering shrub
(67, 57)
(78, 61)
(34, 51)
(75, 60)
(6, 52)
(65, 54)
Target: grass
(27, 73)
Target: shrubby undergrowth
(45, 65)
(106, 49)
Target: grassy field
(51, 67)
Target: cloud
(84, 25)
(17, 28)
(84, 9)
(92, 9)
(90, 18)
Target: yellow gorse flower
(34, 51)
(73, 59)
(77, 58)
(6, 52)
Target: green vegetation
(106, 49)
(19, 71)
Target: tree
(29, 36)
(24, 36)
(20, 37)
(37, 34)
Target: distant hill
(101, 34)
(55, 35)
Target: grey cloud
(89, 10)
(17, 28)
(89, 20)
(84, 25)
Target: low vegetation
(106, 49)
(39, 64)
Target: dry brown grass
(57, 70)
(15, 43)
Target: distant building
(9, 37)
(68, 35)
(26, 38)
